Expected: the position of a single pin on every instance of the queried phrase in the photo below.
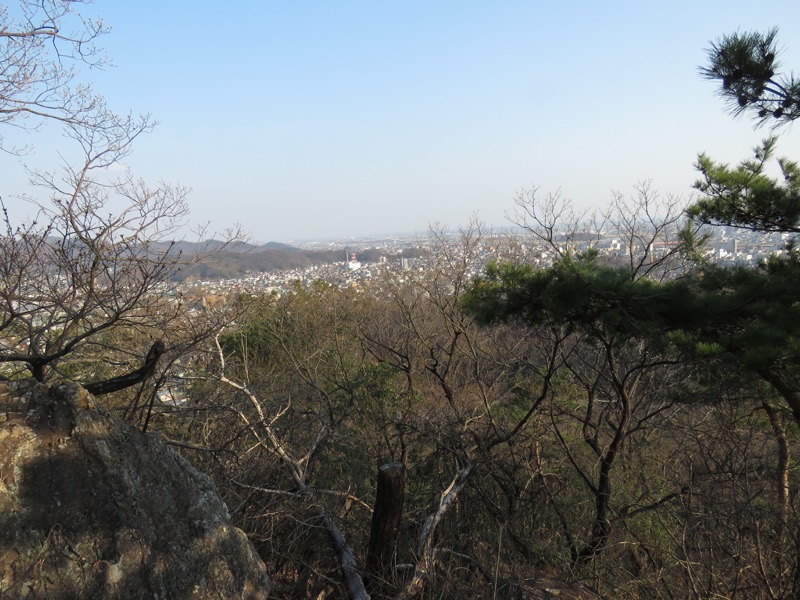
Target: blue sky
(305, 120)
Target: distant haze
(307, 120)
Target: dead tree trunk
(385, 520)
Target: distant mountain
(273, 256)
(214, 259)
(188, 248)
(278, 246)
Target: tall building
(353, 263)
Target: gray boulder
(92, 508)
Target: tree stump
(386, 519)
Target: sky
(307, 120)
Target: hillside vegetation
(620, 427)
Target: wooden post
(386, 519)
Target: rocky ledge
(92, 508)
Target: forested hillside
(622, 428)
(629, 426)
(229, 263)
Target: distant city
(359, 263)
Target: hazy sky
(328, 119)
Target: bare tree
(77, 270)
(652, 231)
(651, 234)
(554, 223)
(97, 256)
(96, 252)
(42, 45)
(461, 434)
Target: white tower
(353, 263)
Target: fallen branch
(347, 560)
(115, 384)
(425, 551)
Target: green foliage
(746, 66)
(750, 313)
(580, 293)
(745, 196)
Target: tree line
(628, 426)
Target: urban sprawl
(726, 246)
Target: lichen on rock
(92, 508)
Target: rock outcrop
(92, 508)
